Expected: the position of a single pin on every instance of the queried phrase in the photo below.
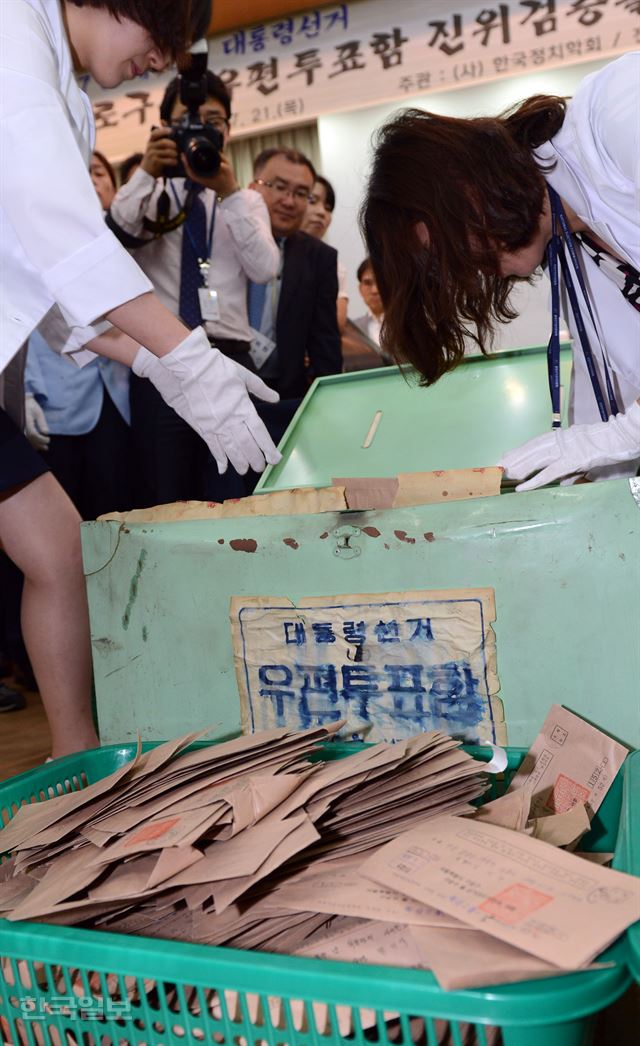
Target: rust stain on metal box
(244, 545)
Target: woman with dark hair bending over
(458, 210)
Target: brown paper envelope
(125, 881)
(379, 835)
(203, 787)
(69, 874)
(523, 891)
(386, 944)
(75, 913)
(247, 744)
(473, 959)
(240, 856)
(508, 811)
(94, 835)
(285, 938)
(14, 891)
(156, 758)
(172, 860)
(375, 763)
(569, 762)
(562, 829)
(155, 835)
(34, 818)
(343, 892)
(405, 791)
(441, 767)
(345, 816)
(414, 806)
(303, 835)
(96, 809)
(278, 934)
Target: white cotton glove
(35, 423)
(565, 452)
(211, 393)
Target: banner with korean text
(351, 55)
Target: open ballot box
(366, 614)
(381, 422)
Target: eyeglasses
(219, 123)
(281, 188)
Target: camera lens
(203, 156)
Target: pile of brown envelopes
(260, 843)
(172, 843)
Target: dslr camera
(200, 144)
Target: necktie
(257, 295)
(194, 246)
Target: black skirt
(19, 462)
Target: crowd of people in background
(277, 302)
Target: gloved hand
(35, 424)
(565, 452)
(211, 393)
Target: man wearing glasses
(216, 238)
(294, 325)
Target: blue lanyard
(556, 251)
(203, 263)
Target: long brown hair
(478, 190)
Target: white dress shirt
(54, 246)
(242, 247)
(597, 172)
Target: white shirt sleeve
(50, 202)
(248, 224)
(614, 115)
(342, 281)
(131, 203)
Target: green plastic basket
(628, 849)
(64, 985)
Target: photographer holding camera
(199, 238)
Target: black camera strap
(160, 227)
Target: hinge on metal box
(344, 548)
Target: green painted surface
(563, 562)
(468, 419)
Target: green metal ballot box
(563, 563)
(486, 406)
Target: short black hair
(216, 88)
(330, 195)
(127, 166)
(364, 267)
(292, 155)
(170, 23)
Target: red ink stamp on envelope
(565, 794)
(155, 830)
(514, 903)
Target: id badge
(261, 348)
(209, 305)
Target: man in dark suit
(296, 336)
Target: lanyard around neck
(204, 264)
(557, 258)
